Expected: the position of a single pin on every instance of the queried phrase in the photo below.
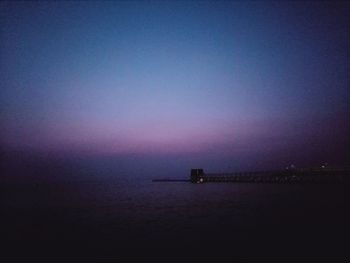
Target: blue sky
(234, 80)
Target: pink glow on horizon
(146, 137)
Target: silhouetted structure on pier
(196, 175)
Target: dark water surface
(107, 218)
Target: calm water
(101, 219)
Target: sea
(59, 212)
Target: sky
(254, 84)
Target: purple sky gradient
(219, 78)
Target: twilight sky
(250, 82)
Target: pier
(310, 175)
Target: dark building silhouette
(196, 174)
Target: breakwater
(306, 175)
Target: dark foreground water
(105, 219)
